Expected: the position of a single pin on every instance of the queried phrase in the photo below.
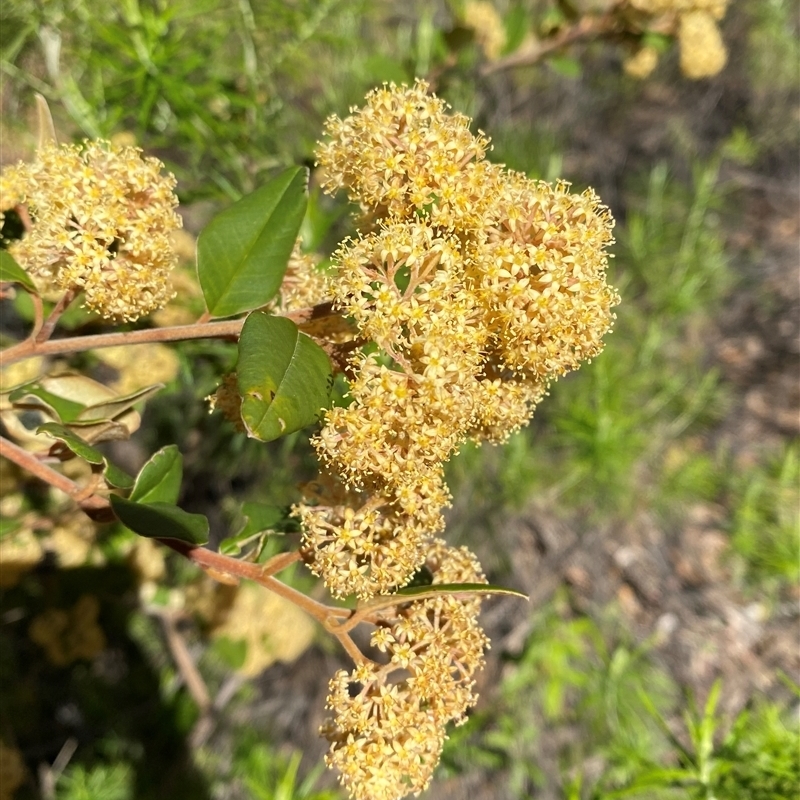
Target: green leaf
(409, 593)
(11, 272)
(259, 517)
(159, 480)
(82, 449)
(284, 377)
(72, 441)
(517, 25)
(117, 477)
(161, 521)
(34, 396)
(108, 430)
(242, 253)
(76, 399)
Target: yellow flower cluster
(303, 285)
(478, 286)
(703, 52)
(389, 719)
(69, 635)
(102, 219)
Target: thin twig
(225, 329)
(38, 314)
(76, 344)
(99, 508)
(587, 28)
(46, 330)
(185, 663)
(95, 506)
(49, 774)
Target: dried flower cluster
(476, 287)
(703, 52)
(102, 218)
(389, 723)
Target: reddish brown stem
(588, 27)
(38, 315)
(93, 505)
(99, 508)
(225, 329)
(75, 344)
(46, 330)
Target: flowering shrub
(466, 290)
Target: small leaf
(414, 593)
(11, 272)
(117, 430)
(34, 397)
(159, 480)
(517, 25)
(82, 449)
(62, 396)
(262, 517)
(117, 477)
(242, 253)
(284, 377)
(71, 440)
(161, 521)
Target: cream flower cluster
(102, 219)
(703, 53)
(477, 287)
(389, 719)
(303, 284)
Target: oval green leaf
(242, 253)
(72, 441)
(11, 272)
(64, 396)
(35, 397)
(161, 521)
(284, 377)
(159, 480)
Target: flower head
(476, 286)
(102, 218)
(388, 723)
